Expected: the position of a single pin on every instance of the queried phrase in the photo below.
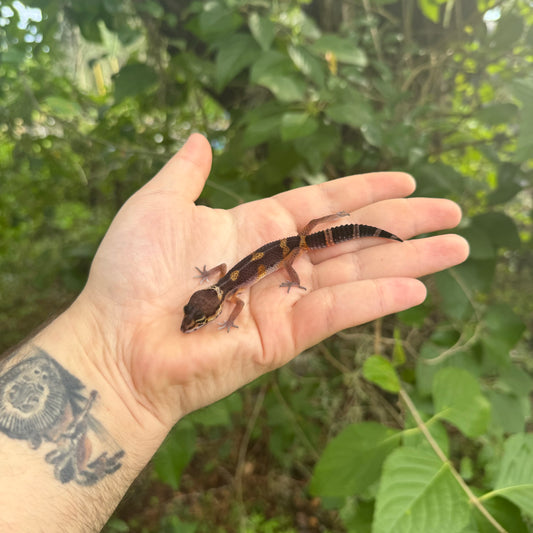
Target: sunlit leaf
(419, 493)
(458, 399)
(379, 370)
(353, 459)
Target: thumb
(187, 171)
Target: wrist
(79, 343)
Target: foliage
(95, 96)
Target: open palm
(144, 271)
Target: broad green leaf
(506, 513)
(262, 130)
(508, 412)
(276, 72)
(175, 453)
(271, 62)
(416, 439)
(315, 148)
(62, 107)
(452, 298)
(217, 20)
(515, 478)
(431, 9)
(294, 125)
(263, 29)
(476, 274)
(286, 88)
(356, 515)
(355, 113)
(419, 493)
(133, 79)
(508, 30)
(379, 370)
(510, 183)
(458, 399)
(500, 228)
(481, 246)
(307, 64)
(238, 52)
(503, 329)
(345, 50)
(352, 460)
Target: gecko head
(204, 305)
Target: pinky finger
(326, 311)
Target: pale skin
(122, 338)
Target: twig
(243, 448)
(440, 454)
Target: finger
(325, 311)
(408, 259)
(187, 171)
(344, 194)
(405, 217)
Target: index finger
(344, 194)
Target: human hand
(143, 274)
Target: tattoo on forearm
(41, 402)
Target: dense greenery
(415, 423)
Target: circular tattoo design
(32, 398)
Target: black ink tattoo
(40, 402)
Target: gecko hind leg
(294, 279)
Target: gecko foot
(204, 274)
(290, 284)
(227, 325)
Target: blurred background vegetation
(96, 96)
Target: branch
(440, 454)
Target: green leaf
(515, 478)
(452, 298)
(355, 113)
(481, 246)
(379, 370)
(431, 9)
(275, 71)
(62, 107)
(352, 460)
(133, 79)
(259, 131)
(263, 30)
(238, 52)
(503, 329)
(285, 88)
(398, 353)
(345, 50)
(458, 399)
(508, 413)
(217, 20)
(506, 514)
(509, 29)
(419, 493)
(510, 183)
(294, 125)
(500, 228)
(307, 64)
(524, 146)
(174, 454)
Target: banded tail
(347, 232)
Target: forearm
(72, 439)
